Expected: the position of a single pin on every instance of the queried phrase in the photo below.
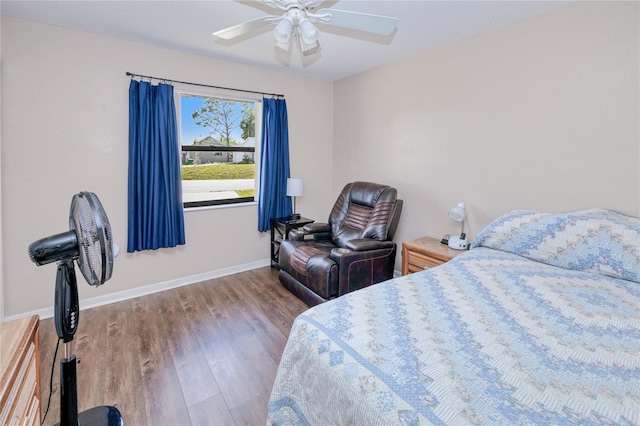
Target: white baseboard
(148, 289)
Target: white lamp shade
(282, 31)
(457, 213)
(294, 187)
(308, 32)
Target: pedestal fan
(90, 243)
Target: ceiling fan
(298, 19)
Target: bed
(539, 323)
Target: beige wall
(65, 129)
(542, 114)
(1, 273)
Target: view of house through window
(218, 139)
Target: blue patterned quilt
(539, 323)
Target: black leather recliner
(322, 261)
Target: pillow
(601, 241)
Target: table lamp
(457, 213)
(294, 189)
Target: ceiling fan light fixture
(305, 47)
(283, 46)
(282, 32)
(308, 31)
(307, 35)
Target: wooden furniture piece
(280, 228)
(425, 252)
(20, 372)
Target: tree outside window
(218, 150)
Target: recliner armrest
(358, 269)
(311, 231)
(364, 244)
(315, 227)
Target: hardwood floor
(202, 354)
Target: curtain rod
(203, 85)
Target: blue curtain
(155, 189)
(274, 163)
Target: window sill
(220, 206)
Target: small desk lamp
(294, 189)
(457, 213)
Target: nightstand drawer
(423, 253)
(418, 262)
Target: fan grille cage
(89, 220)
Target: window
(218, 154)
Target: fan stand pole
(68, 388)
(66, 315)
(97, 416)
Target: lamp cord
(53, 365)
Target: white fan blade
(245, 27)
(377, 24)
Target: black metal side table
(280, 228)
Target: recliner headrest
(366, 193)
(363, 210)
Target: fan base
(103, 415)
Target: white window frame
(208, 204)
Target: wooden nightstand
(425, 252)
